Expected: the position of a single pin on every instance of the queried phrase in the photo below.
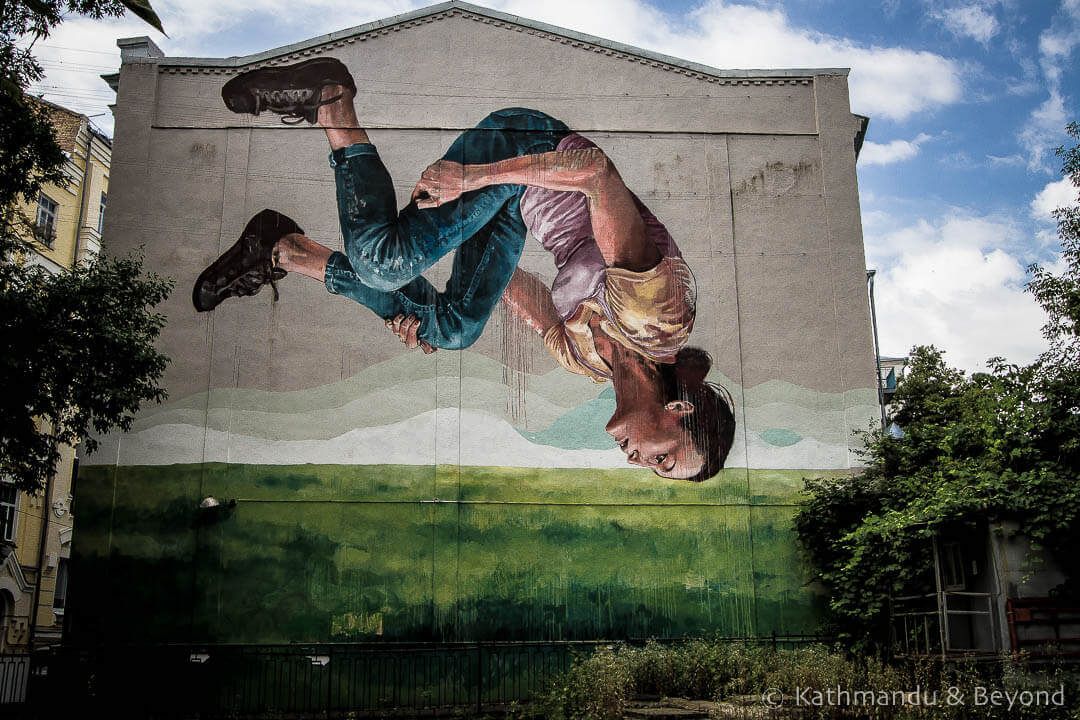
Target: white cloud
(1046, 123)
(1058, 41)
(75, 56)
(1005, 160)
(887, 82)
(1043, 128)
(894, 151)
(194, 25)
(81, 49)
(1053, 196)
(971, 21)
(953, 282)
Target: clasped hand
(443, 181)
(406, 329)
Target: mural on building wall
(621, 307)
(496, 398)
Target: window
(101, 214)
(8, 500)
(952, 567)
(60, 595)
(45, 229)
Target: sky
(967, 100)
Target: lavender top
(560, 221)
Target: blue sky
(967, 99)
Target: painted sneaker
(247, 266)
(293, 91)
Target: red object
(1037, 615)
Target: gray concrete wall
(508, 477)
(754, 176)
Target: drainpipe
(877, 346)
(85, 190)
(46, 504)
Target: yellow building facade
(36, 531)
(68, 218)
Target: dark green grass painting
(318, 553)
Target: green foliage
(601, 685)
(29, 156)
(76, 350)
(76, 354)
(1059, 295)
(999, 445)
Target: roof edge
(240, 61)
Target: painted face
(657, 440)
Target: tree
(1058, 369)
(30, 156)
(76, 353)
(76, 349)
(1003, 444)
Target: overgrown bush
(999, 445)
(600, 685)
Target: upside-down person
(621, 307)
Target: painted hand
(406, 328)
(443, 181)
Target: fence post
(479, 675)
(330, 680)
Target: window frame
(63, 575)
(9, 511)
(45, 232)
(101, 213)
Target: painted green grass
(316, 553)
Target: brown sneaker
(244, 268)
(294, 91)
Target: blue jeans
(386, 249)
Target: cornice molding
(16, 573)
(384, 28)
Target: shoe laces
(295, 105)
(251, 282)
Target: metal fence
(14, 677)
(322, 679)
(945, 623)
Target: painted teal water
(580, 429)
(780, 437)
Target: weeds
(600, 686)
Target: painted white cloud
(954, 282)
(972, 21)
(894, 151)
(886, 82)
(1053, 196)
(438, 436)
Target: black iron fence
(14, 678)
(303, 680)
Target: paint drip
(515, 357)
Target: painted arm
(617, 225)
(530, 299)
